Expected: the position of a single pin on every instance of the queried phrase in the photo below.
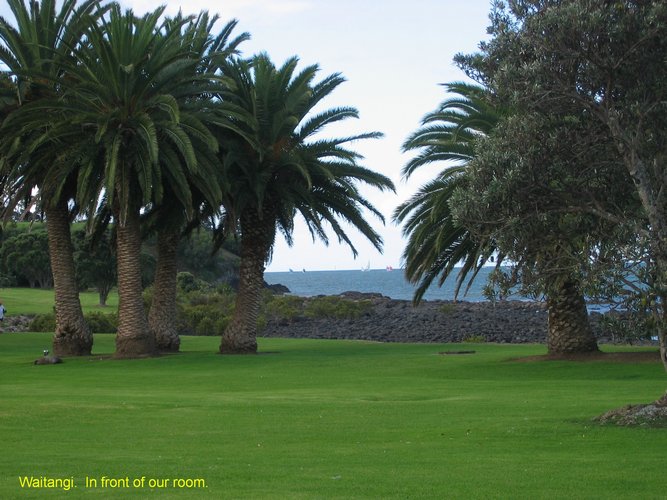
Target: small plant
(98, 322)
(286, 307)
(336, 307)
(102, 322)
(207, 326)
(447, 308)
(43, 323)
(475, 339)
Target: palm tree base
(168, 344)
(573, 348)
(231, 345)
(72, 345)
(133, 347)
(569, 329)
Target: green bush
(43, 323)
(447, 308)
(336, 307)
(287, 307)
(206, 326)
(187, 282)
(205, 314)
(98, 322)
(475, 339)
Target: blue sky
(393, 54)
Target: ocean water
(389, 283)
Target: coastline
(437, 321)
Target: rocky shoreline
(390, 320)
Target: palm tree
(437, 242)
(281, 167)
(170, 219)
(35, 51)
(121, 117)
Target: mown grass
(327, 419)
(20, 301)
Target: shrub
(187, 282)
(447, 308)
(43, 323)
(475, 339)
(206, 326)
(628, 327)
(100, 322)
(286, 307)
(207, 314)
(336, 307)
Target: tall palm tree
(170, 219)
(34, 51)
(280, 168)
(121, 114)
(437, 242)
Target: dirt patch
(607, 357)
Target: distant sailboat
(367, 268)
(389, 268)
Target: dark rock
(277, 289)
(16, 324)
(391, 320)
(362, 295)
(48, 360)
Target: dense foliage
(573, 183)
(145, 122)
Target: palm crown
(436, 242)
(279, 166)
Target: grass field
(38, 301)
(324, 419)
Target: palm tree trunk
(72, 336)
(240, 336)
(569, 329)
(162, 315)
(134, 337)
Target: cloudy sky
(393, 53)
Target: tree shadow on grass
(596, 357)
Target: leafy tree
(521, 191)
(280, 167)
(195, 255)
(552, 55)
(26, 256)
(35, 51)
(438, 240)
(95, 262)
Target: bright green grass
(327, 419)
(37, 301)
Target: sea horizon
(390, 282)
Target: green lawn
(38, 301)
(325, 419)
